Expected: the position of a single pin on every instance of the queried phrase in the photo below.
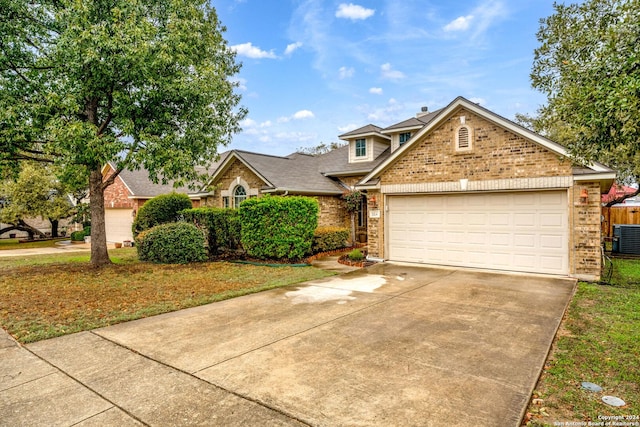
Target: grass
(47, 296)
(599, 342)
(7, 244)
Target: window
(225, 202)
(361, 147)
(404, 137)
(463, 139)
(239, 196)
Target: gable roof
(295, 173)
(367, 130)
(141, 187)
(441, 115)
(336, 163)
(412, 123)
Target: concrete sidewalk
(58, 248)
(389, 345)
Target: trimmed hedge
(172, 243)
(221, 227)
(329, 238)
(77, 236)
(276, 227)
(160, 210)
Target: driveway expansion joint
(192, 375)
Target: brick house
(473, 189)
(459, 186)
(123, 198)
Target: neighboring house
(461, 186)
(123, 198)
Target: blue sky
(314, 69)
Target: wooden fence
(619, 215)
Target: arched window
(239, 196)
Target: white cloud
(292, 47)
(389, 73)
(353, 11)
(347, 128)
(459, 24)
(303, 114)
(480, 18)
(386, 114)
(376, 90)
(476, 100)
(242, 83)
(251, 51)
(346, 72)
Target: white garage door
(118, 224)
(524, 231)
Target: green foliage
(77, 236)
(278, 227)
(588, 66)
(221, 227)
(329, 238)
(160, 210)
(352, 200)
(356, 255)
(139, 83)
(35, 192)
(87, 231)
(173, 243)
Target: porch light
(584, 195)
(373, 199)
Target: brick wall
(498, 160)
(116, 195)
(585, 235)
(225, 180)
(496, 154)
(332, 212)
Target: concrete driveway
(389, 345)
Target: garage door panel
(118, 224)
(526, 231)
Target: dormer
(402, 132)
(366, 143)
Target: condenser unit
(626, 239)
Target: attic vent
(463, 138)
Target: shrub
(329, 238)
(77, 236)
(160, 210)
(356, 255)
(278, 227)
(221, 227)
(87, 230)
(172, 243)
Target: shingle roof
(413, 122)
(140, 186)
(297, 172)
(336, 162)
(364, 130)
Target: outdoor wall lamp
(584, 195)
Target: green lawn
(6, 244)
(599, 342)
(48, 296)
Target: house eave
(364, 135)
(293, 190)
(402, 129)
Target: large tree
(140, 83)
(35, 193)
(588, 65)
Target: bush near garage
(172, 243)
(279, 228)
(327, 239)
(161, 209)
(221, 227)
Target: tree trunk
(99, 254)
(29, 229)
(54, 227)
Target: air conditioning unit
(626, 239)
